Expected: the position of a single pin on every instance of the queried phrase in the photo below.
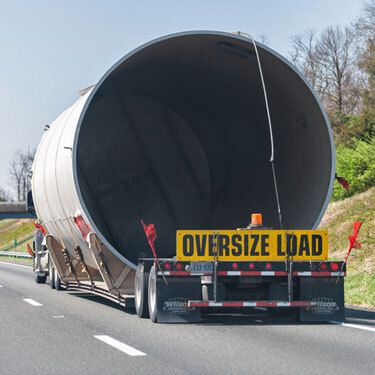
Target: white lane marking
(58, 316)
(119, 345)
(259, 321)
(260, 308)
(16, 265)
(32, 302)
(350, 325)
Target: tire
(141, 292)
(56, 280)
(51, 274)
(40, 279)
(152, 297)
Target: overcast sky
(51, 49)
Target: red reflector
(334, 267)
(268, 266)
(178, 266)
(323, 266)
(235, 266)
(167, 266)
(251, 266)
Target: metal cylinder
(176, 134)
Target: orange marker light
(256, 219)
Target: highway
(44, 331)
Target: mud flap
(172, 300)
(327, 296)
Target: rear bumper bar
(252, 273)
(261, 304)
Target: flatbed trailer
(169, 290)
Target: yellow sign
(251, 245)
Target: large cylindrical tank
(176, 134)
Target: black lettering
(304, 245)
(237, 248)
(253, 251)
(223, 245)
(188, 245)
(280, 251)
(246, 245)
(317, 244)
(264, 245)
(291, 244)
(200, 243)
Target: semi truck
(191, 179)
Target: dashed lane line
(357, 326)
(120, 346)
(32, 302)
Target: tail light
(167, 266)
(178, 266)
(334, 266)
(323, 266)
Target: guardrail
(14, 254)
(17, 242)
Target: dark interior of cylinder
(177, 135)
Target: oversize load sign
(252, 245)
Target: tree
(329, 60)
(365, 28)
(4, 195)
(20, 167)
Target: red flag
(40, 227)
(151, 235)
(343, 182)
(353, 243)
(30, 251)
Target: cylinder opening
(177, 135)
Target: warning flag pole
(151, 235)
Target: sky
(49, 50)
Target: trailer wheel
(56, 280)
(152, 297)
(40, 278)
(141, 292)
(51, 274)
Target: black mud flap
(172, 300)
(327, 298)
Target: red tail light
(178, 266)
(334, 266)
(167, 266)
(323, 266)
(235, 266)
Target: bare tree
(4, 195)
(328, 60)
(20, 167)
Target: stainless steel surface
(176, 134)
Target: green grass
(15, 229)
(360, 289)
(339, 218)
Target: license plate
(251, 245)
(204, 267)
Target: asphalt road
(43, 331)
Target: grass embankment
(339, 219)
(12, 229)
